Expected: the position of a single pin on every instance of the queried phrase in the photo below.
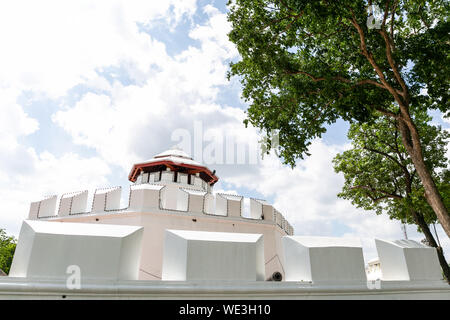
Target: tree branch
(386, 112)
(394, 7)
(384, 154)
(371, 59)
(402, 167)
(391, 61)
(386, 10)
(397, 149)
(338, 78)
(386, 193)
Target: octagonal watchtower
(173, 165)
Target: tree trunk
(411, 141)
(420, 221)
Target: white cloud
(133, 122)
(14, 122)
(44, 174)
(51, 46)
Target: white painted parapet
(64, 205)
(73, 203)
(112, 198)
(278, 217)
(323, 259)
(196, 200)
(182, 178)
(34, 210)
(228, 205)
(221, 206)
(268, 212)
(167, 176)
(46, 249)
(407, 260)
(256, 208)
(79, 202)
(145, 196)
(47, 207)
(201, 255)
(209, 205)
(173, 198)
(163, 195)
(198, 182)
(283, 223)
(153, 177)
(106, 199)
(290, 229)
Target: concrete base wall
(17, 288)
(199, 255)
(46, 250)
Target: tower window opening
(158, 176)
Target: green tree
(379, 174)
(7, 248)
(304, 64)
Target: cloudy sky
(89, 88)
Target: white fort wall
(210, 265)
(182, 206)
(165, 205)
(200, 244)
(156, 222)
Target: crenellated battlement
(165, 196)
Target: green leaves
(302, 64)
(379, 174)
(7, 248)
